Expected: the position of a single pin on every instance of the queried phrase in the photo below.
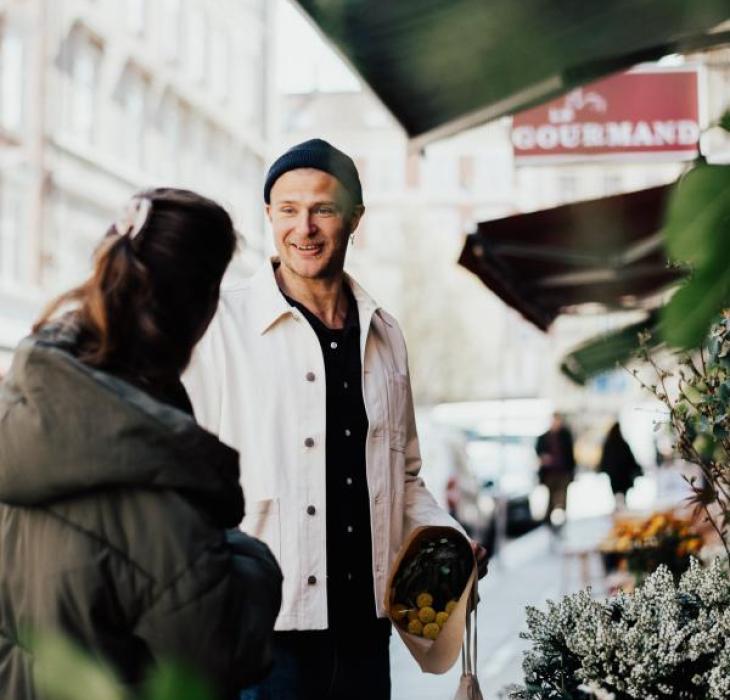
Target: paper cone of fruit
(428, 595)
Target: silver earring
(352, 239)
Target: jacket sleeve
(217, 618)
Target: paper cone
(439, 655)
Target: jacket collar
(270, 305)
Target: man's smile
(308, 249)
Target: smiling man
(307, 377)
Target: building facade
(101, 98)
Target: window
(12, 84)
(74, 229)
(11, 225)
(82, 62)
(135, 15)
(220, 149)
(170, 29)
(170, 127)
(441, 173)
(133, 99)
(385, 173)
(220, 60)
(194, 152)
(197, 43)
(493, 176)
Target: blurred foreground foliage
(697, 233)
(63, 671)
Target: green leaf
(687, 316)
(173, 682)
(697, 232)
(62, 671)
(697, 213)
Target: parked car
(506, 466)
(448, 474)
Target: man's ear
(357, 211)
(267, 209)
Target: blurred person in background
(618, 461)
(308, 377)
(115, 502)
(557, 467)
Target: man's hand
(480, 554)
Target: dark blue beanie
(320, 155)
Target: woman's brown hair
(154, 286)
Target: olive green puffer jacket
(113, 517)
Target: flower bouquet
(428, 595)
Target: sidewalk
(529, 570)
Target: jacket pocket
(397, 389)
(263, 521)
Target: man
(557, 467)
(308, 378)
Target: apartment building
(100, 98)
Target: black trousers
(325, 665)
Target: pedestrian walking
(308, 377)
(618, 461)
(115, 502)
(557, 467)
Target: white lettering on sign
(625, 134)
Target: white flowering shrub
(665, 640)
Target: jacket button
(310, 376)
(311, 510)
(309, 442)
(312, 580)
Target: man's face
(311, 217)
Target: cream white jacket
(257, 380)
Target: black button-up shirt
(350, 594)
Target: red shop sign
(629, 114)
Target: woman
(619, 463)
(115, 502)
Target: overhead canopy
(606, 251)
(607, 351)
(444, 65)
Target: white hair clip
(133, 217)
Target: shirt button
(349, 528)
(311, 510)
(309, 442)
(348, 432)
(312, 580)
(348, 481)
(310, 376)
(333, 345)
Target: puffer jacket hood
(67, 429)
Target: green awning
(441, 66)
(608, 351)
